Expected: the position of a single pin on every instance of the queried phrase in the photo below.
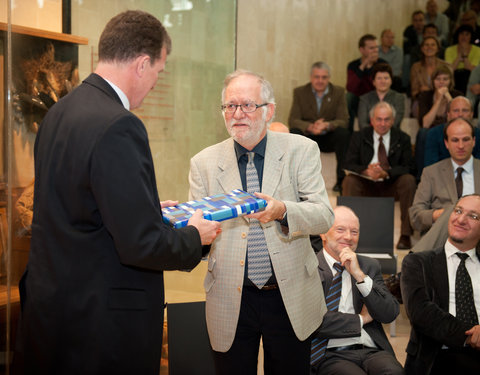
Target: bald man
(355, 340)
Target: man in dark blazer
(319, 111)
(441, 342)
(357, 343)
(92, 294)
(388, 176)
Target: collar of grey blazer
(97, 81)
(229, 177)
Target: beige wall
(282, 38)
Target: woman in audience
(432, 110)
(421, 71)
(463, 57)
(382, 80)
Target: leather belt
(270, 287)
(347, 347)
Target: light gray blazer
(292, 174)
(436, 190)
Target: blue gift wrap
(217, 207)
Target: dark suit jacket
(382, 306)
(360, 152)
(92, 294)
(424, 284)
(304, 107)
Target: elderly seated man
(379, 164)
(351, 339)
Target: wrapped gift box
(217, 207)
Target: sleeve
(338, 325)
(425, 103)
(381, 304)
(415, 81)
(363, 109)
(354, 78)
(399, 105)
(433, 146)
(123, 184)
(295, 118)
(472, 80)
(425, 314)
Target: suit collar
(98, 82)
(440, 277)
(273, 164)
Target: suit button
(242, 262)
(244, 235)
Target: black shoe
(404, 243)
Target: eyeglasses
(245, 107)
(471, 215)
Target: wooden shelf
(45, 34)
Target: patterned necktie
(465, 305)
(459, 182)
(382, 155)
(259, 269)
(319, 346)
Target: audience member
(351, 339)
(382, 80)
(441, 290)
(359, 74)
(469, 18)
(429, 30)
(442, 183)
(392, 55)
(438, 19)
(435, 149)
(412, 35)
(319, 111)
(380, 158)
(432, 104)
(261, 278)
(463, 57)
(421, 72)
(432, 110)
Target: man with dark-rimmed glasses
(441, 292)
(262, 281)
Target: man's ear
(141, 64)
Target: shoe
(337, 188)
(404, 243)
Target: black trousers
(263, 315)
(464, 361)
(358, 362)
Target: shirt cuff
(366, 287)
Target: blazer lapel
(325, 272)
(273, 163)
(440, 277)
(449, 178)
(229, 176)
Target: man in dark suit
(355, 340)
(92, 294)
(381, 159)
(441, 290)
(319, 111)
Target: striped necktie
(319, 346)
(259, 269)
